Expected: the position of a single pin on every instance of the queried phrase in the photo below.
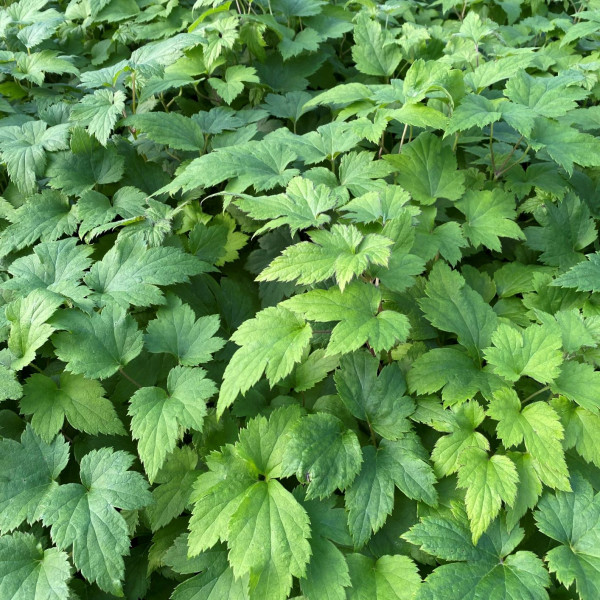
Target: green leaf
(97, 345)
(29, 571)
(177, 332)
(565, 229)
(216, 495)
(461, 423)
(302, 206)
(565, 145)
(233, 84)
(489, 481)
(538, 425)
(84, 516)
(378, 400)
(170, 129)
(534, 351)
(30, 470)
(99, 112)
(324, 452)
(23, 149)
(578, 382)
(81, 401)
(260, 164)
(215, 581)
(268, 512)
(572, 519)
(473, 111)
(342, 252)
(427, 170)
(489, 216)
(130, 272)
(453, 306)
(10, 388)
(159, 419)
(583, 276)
(357, 309)
(387, 578)
(29, 329)
(175, 481)
(581, 428)
(54, 266)
(545, 96)
(327, 572)
(272, 343)
(452, 371)
(48, 217)
(374, 50)
(487, 569)
(263, 442)
(87, 164)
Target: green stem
(540, 391)
(130, 379)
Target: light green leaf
(269, 512)
(534, 351)
(357, 309)
(302, 206)
(584, 276)
(375, 51)
(233, 83)
(272, 343)
(538, 425)
(579, 382)
(342, 251)
(453, 306)
(488, 481)
(130, 272)
(159, 419)
(489, 215)
(29, 329)
(427, 170)
(388, 578)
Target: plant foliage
(299, 299)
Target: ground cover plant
(299, 299)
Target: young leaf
(272, 342)
(538, 425)
(343, 251)
(534, 351)
(358, 310)
(99, 112)
(489, 481)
